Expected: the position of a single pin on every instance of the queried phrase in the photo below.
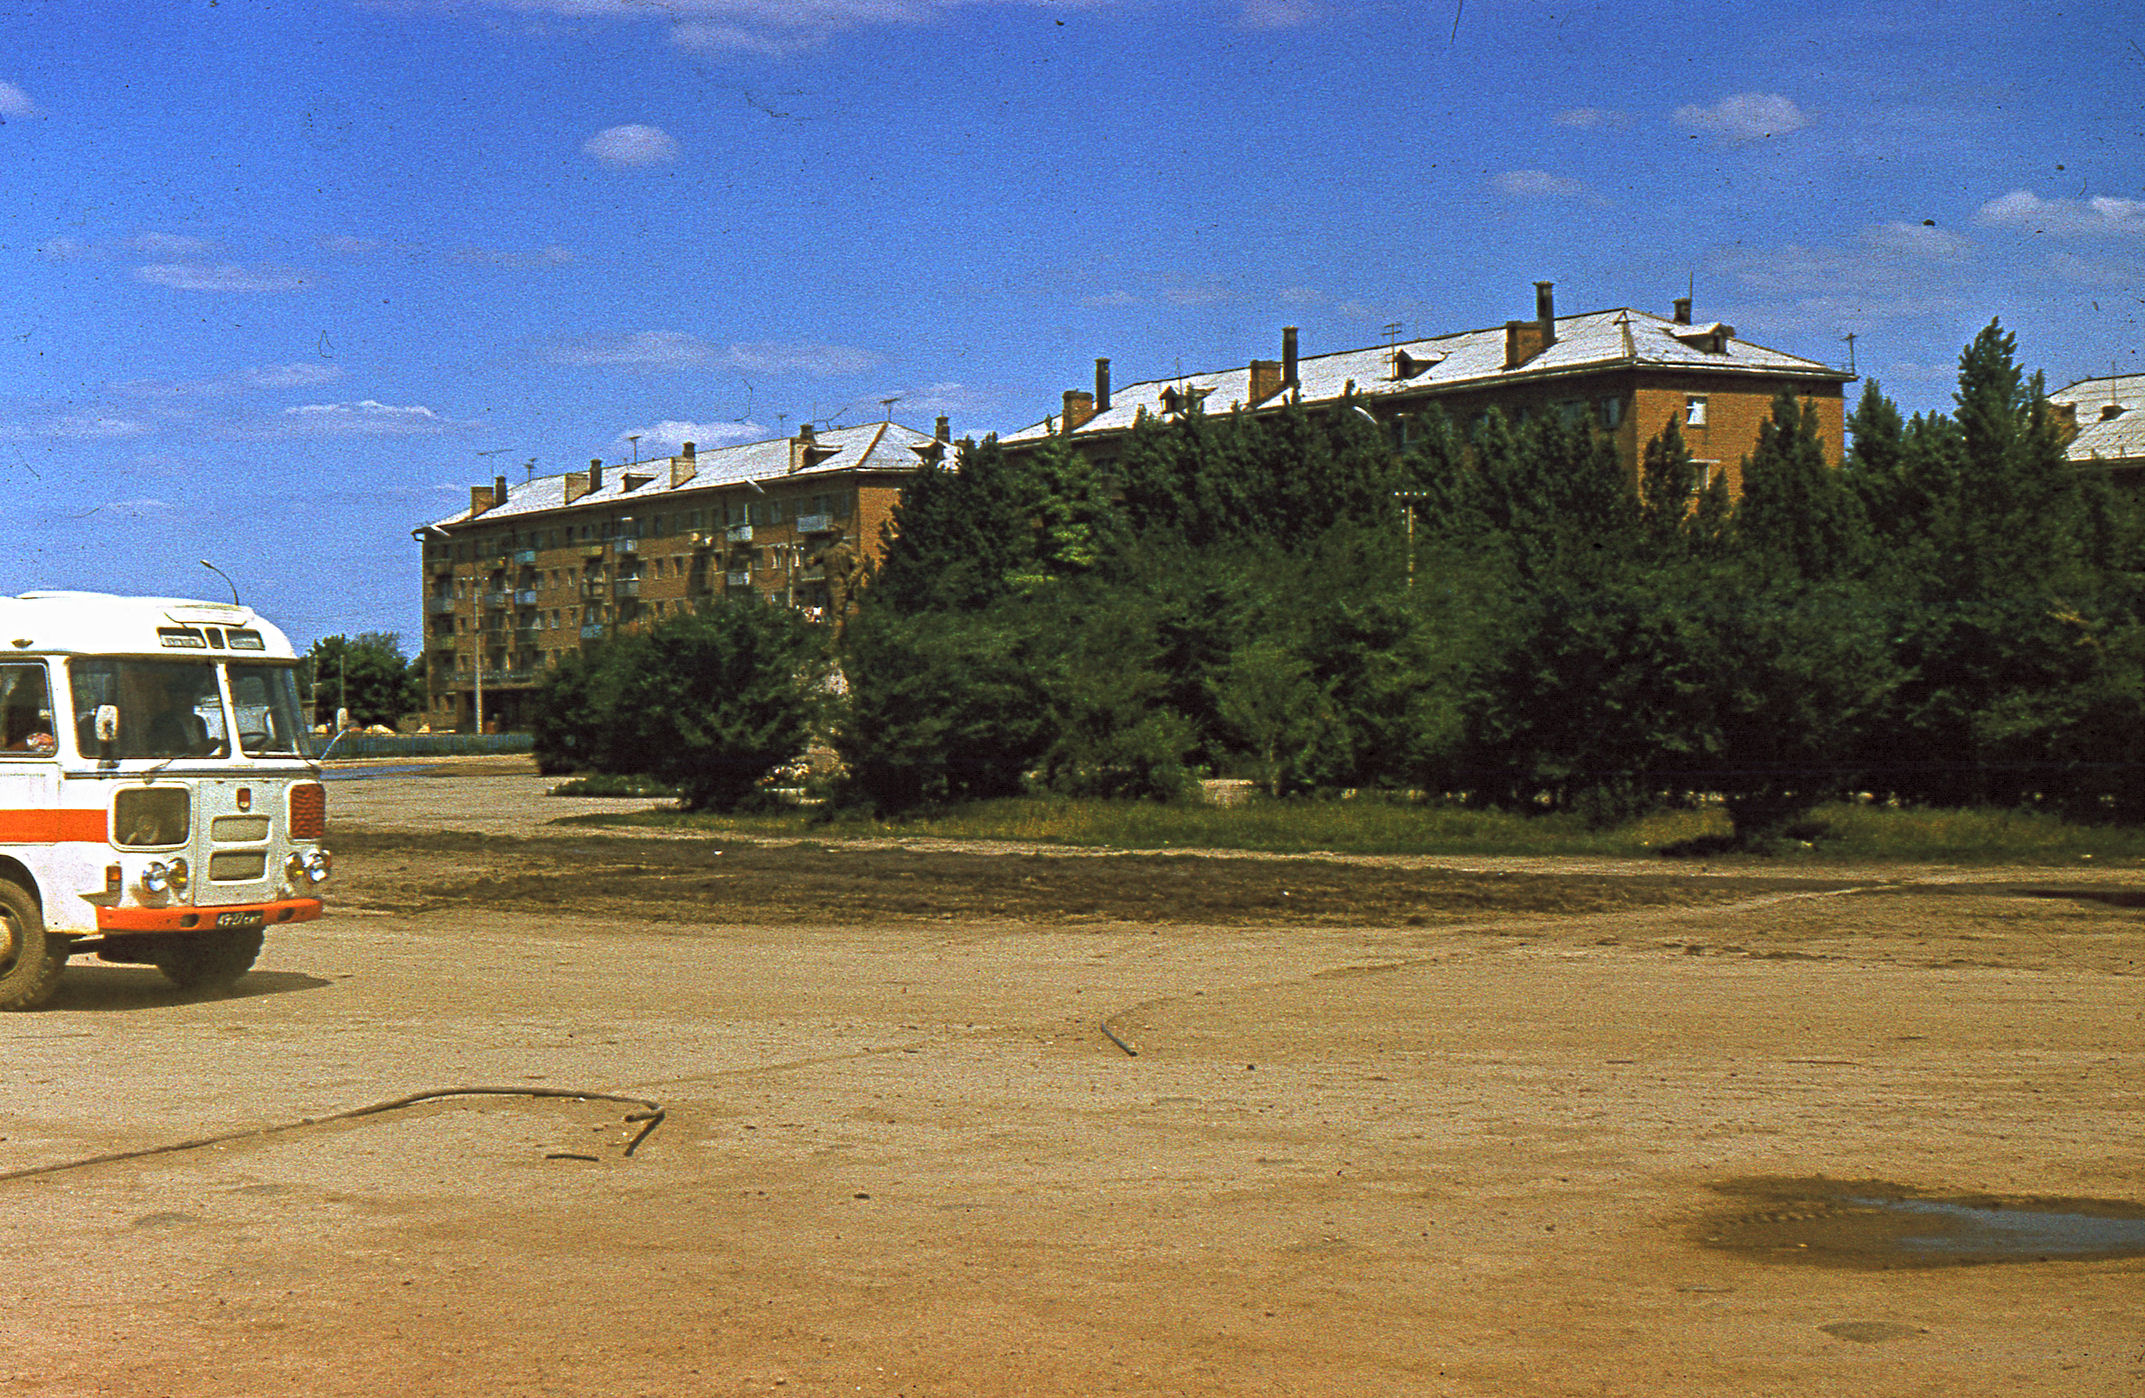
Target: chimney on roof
(498, 490)
(595, 474)
(1545, 311)
(1266, 380)
(1683, 310)
(944, 430)
(687, 451)
(684, 466)
(576, 485)
(1288, 356)
(1079, 407)
(480, 500)
(1522, 341)
(1102, 385)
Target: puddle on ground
(1874, 1224)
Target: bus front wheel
(207, 960)
(30, 960)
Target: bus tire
(207, 960)
(30, 960)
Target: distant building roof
(880, 446)
(1466, 360)
(2111, 417)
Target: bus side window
(25, 711)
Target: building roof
(1469, 359)
(2111, 417)
(879, 446)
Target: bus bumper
(215, 917)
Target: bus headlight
(311, 865)
(162, 877)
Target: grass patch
(605, 784)
(1852, 832)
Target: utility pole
(1407, 499)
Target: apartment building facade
(530, 573)
(1628, 371)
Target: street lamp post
(1407, 499)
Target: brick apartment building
(2106, 417)
(1627, 370)
(529, 573)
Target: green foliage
(709, 703)
(942, 707)
(365, 674)
(1949, 615)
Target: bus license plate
(247, 918)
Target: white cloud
(1302, 296)
(1593, 118)
(226, 276)
(780, 41)
(673, 434)
(167, 245)
(2024, 209)
(2106, 276)
(631, 147)
(1747, 116)
(650, 349)
(552, 256)
(142, 508)
(83, 426)
(1537, 184)
(366, 415)
(62, 249)
(14, 102)
(300, 375)
(676, 349)
(820, 361)
(1119, 297)
(954, 400)
(1915, 240)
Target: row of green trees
(365, 674)
(1951, 615)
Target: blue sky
(283, 280)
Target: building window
(1694, 411)
(1610, 411)
(1702, 476)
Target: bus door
(29, 771)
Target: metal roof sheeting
(2111, 417)
(1464, 360)
(878, 446)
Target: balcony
(497, 601)
(739, 533)
(626, 587)
(592, 632)
(812, 574)
(439, 606)
(626, 544)
(524, 558)
(738, 578)
(514, 676)
(592, 549)
(525, 597)
(816, 524)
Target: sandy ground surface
(1366, 1126)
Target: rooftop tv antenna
(1850, 351)
(528, 469)
(888, 404)
(635, 439)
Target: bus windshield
(266, 700)
(167, 708)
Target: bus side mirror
(107, 723)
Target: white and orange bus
(155, 805)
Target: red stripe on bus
(50, 827)
(192, 919)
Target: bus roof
(102, 623)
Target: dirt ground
(945, 1121)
